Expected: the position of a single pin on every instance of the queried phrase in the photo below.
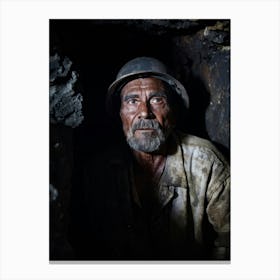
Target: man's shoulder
(198, 146)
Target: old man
(165, 194)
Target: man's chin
(147, 145)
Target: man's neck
(148, 162)
(148, 168)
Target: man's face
(146, 114)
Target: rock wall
(206, 63)
(65, 105)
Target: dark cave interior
(197, 52)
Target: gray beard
(150, 142)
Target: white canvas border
(254, 131)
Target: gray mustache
(145, 124)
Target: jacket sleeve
(218, 211)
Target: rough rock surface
(65, 103)
(207, 59)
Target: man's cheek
(126, 127)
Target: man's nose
(145, 111)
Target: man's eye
(156, 100)
(131, 101)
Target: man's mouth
(144, 130)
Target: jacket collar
(174, 172)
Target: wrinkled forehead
(150, 84)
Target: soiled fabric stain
(190, 219)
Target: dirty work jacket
(190, 218)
